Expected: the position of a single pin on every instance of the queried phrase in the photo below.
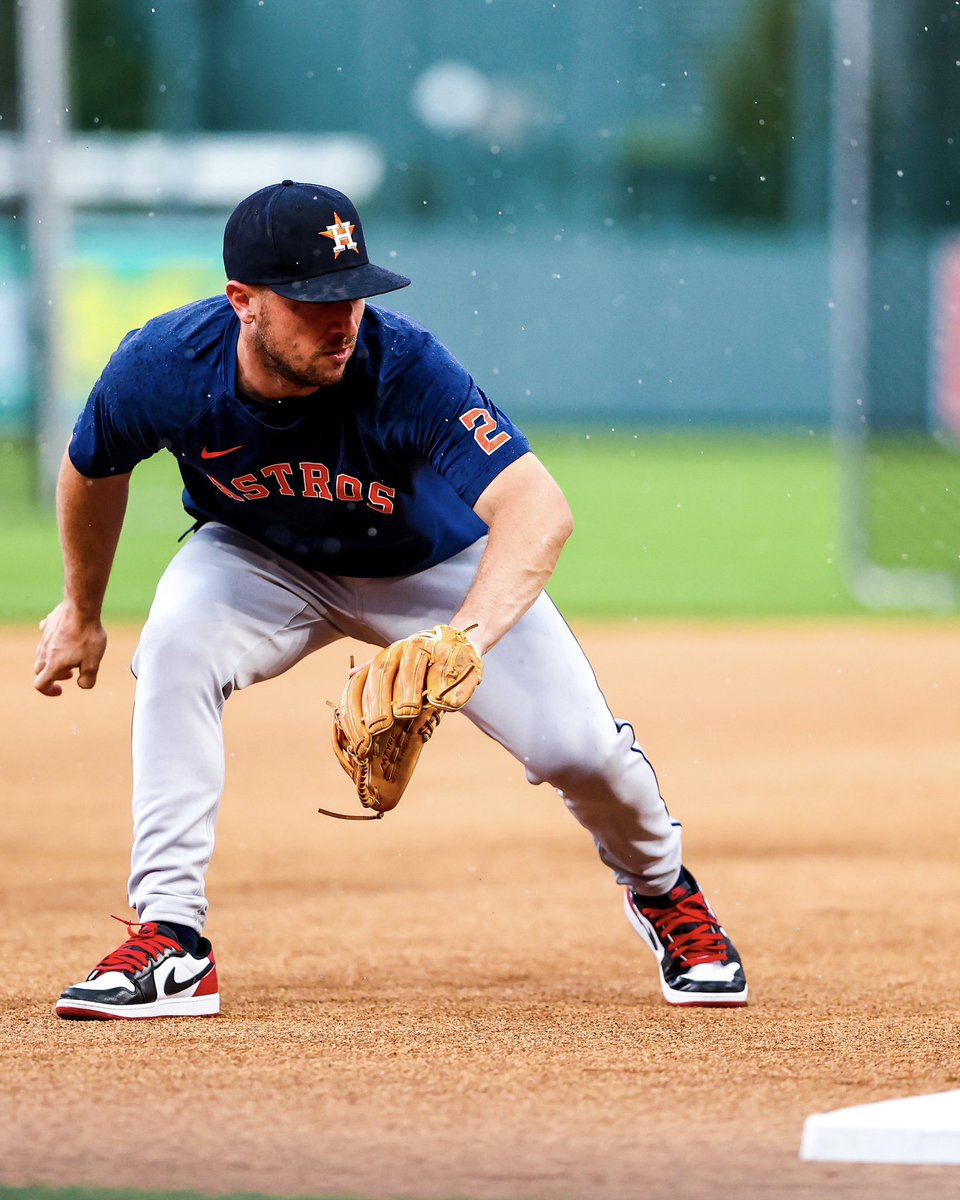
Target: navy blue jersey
(375, 475)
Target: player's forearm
(513, 572)
(529, 525)
(90, 516)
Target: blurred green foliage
(8, 66)
(685, 108)
(754, 117)
(110, 60)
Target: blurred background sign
(946, 393)
(648, 217)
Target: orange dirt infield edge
(449, 1002)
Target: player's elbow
(552, 532)
(565, 522)
(560, 520)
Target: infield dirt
(449, 1002)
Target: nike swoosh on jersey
(205, 453)
(172, 985)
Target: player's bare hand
(68, 642)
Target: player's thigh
(394, 608)
(539, 696)
(228, 608)
(541, 700)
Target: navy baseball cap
(303, 241)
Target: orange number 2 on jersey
(482, 424)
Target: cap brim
(350, 283)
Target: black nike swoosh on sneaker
(171, 986)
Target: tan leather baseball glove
(391, 706)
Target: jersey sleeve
(114, 432)
(457, 428)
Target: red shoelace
(690, 930)
(145, 944)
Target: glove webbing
(425, 733)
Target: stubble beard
(318, 373)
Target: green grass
(698, 525)
(692, 524)
(914, 485)
(33, 582)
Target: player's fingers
(87, 676)
(411, 677)
(350, 711)
(378, 691)
(45, 653)
(48, 679)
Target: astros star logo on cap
(341, 234)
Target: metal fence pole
(851, 234)
(45, 117)
(850, 269)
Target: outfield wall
(690, 326)
(590, 322)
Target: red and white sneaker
(150, 975)
(699, 965)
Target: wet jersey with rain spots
(373, 476)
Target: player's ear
(242, 298)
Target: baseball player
(347, 477)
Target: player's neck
(256, 379)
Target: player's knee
(186, 654)
(571, 762)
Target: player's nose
(343, 318)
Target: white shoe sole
(171, 1006)
(680, 999)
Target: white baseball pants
(229, 613)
